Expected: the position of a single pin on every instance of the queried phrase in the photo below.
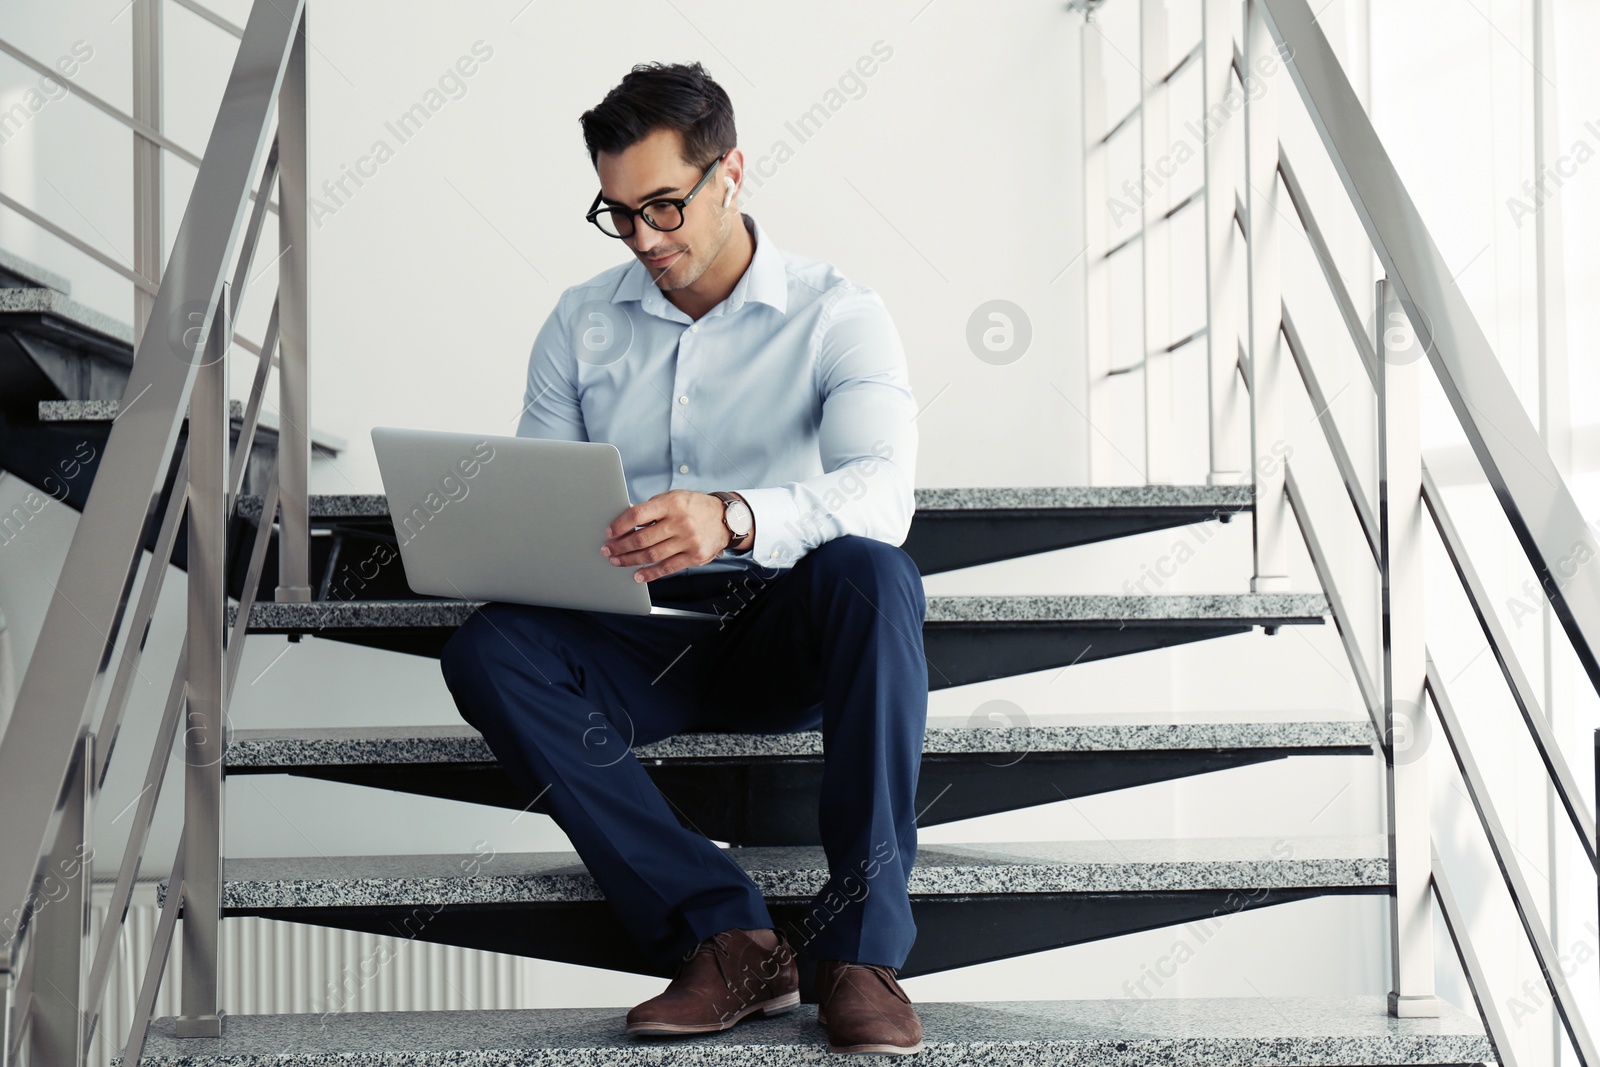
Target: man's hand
(681, 528)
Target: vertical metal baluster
(1555, 430)
(1096, 270)
(207, 697)
(294, 444)
(60, 929)
(149, 244)
(1155, 244)
(1267, 441)
(1404, 661)
(1226, 393)
(8, 996)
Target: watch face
(738, 515)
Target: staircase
(973, 903)
(211, 488)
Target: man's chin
(673, 278)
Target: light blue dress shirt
(792, 392)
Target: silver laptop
(515, 519)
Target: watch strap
(727, 499)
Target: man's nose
(645, 237)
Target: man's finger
(629, 548)
(667, 566)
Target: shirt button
(683, 468)
(683, 400)
(695, 328)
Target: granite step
(761, 788)
(952, 527)
(105, 411)
(1199, 1032)
(972, 903)
(966, 639)
(19, 273)
(54, 304)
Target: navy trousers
(562, 696)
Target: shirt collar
(765, 280)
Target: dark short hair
(654, 96)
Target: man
(761, 405)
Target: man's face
(653, 168)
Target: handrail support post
(60, 930)
(294, 442)
(1404, 655)
(1225, 411)
(1268, 443)
(203, 739)
(149, 243)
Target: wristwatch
(735, 516)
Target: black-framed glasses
(664, 214)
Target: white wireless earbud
(732, 188)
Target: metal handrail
(1521, 895)
(49, 732)
(1561, 776)
(1515, 461)
(1471, 966)
(144, 130)
(1365, 515)
(1371, 695)
(1476, 385)
(1330, 271)
(144, 284)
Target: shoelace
(887, 973)
(716, 946)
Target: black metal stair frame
(762, 789)
(972, 903)
(965, 638)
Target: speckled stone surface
(102, 411)
(40, 276)
(1115, 608)
(460, 743)
(1223, 497)
(1211, 1032)
(52, 302)
(329, 506)
(1228, 498)
(799, 871)
(272, 617)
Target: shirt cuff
(779, 541)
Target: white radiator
(270, 967)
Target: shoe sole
(893, 1050)
(775, 1006)
(896, 1050)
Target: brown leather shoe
(724, 978)
(865, 1010)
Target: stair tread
(433, 613)
(1120, 732)
(101, 410)
(798, 871)
(54, 302)
(962, 498)
(1201, 1032)
(11, 263)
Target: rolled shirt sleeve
(867, 439)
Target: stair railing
(1417, 309)
(55, 751)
